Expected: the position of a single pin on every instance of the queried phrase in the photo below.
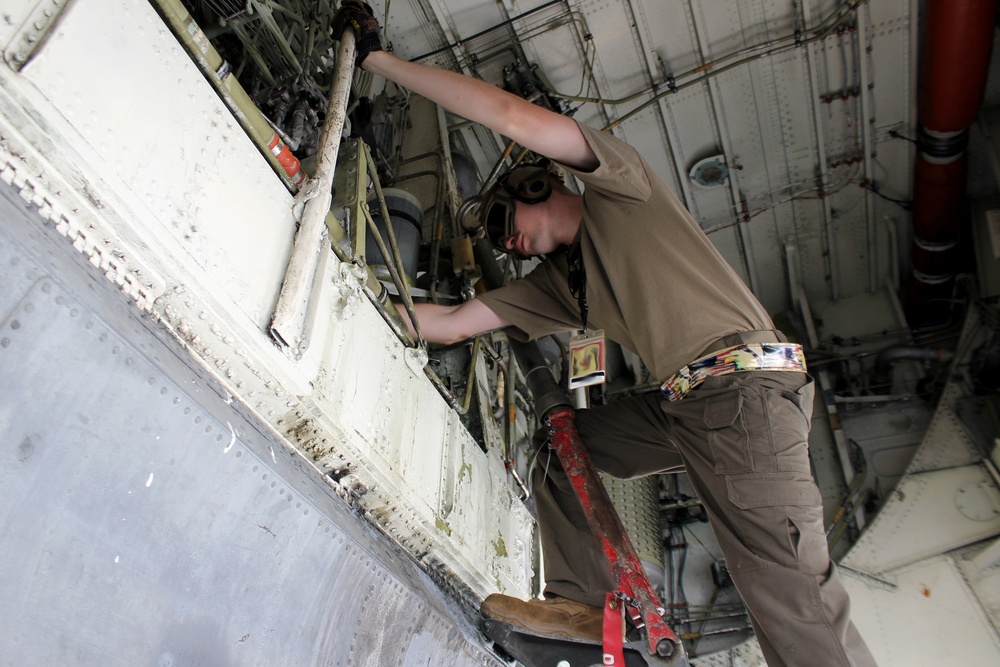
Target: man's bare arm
(543, 131)
(451, 324)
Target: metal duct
(956, 58)
(956, 53)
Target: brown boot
(558, 617)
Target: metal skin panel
(150, 519)
(621, 59)
(407, 31)
(171, 170)
(923, 614)
(980, 565)
(947, 442)
(13, 15)
(356, 404)
(962, 504)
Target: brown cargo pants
(743, 440)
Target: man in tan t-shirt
(656, 284)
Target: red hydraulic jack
(660, 646)
(633, 587)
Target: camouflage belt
(736, 359)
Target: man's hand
(359, 16)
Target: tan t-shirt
(655, 283)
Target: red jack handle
(633, 585)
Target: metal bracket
(350, 188)
(33, 32)
(540, 651)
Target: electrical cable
(740, 57)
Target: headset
(526, 183)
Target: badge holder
(587, 353)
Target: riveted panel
(962, 504)
(929, 601)
(149, 519)
(169, 170)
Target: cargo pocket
(789, 415)
(727, 434)
(781, 519)
(776, 489)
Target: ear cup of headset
(529, 183)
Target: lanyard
(578, 280)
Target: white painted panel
(981, 567)
(622, 63)
(947, 442)
(468, 18)
(164, 166)
(407, 29)
(887, 12)
(172, 144)
(673, 34)
(13, 15)
(927, 514)
(810, 242)
(891, 76)
(929, 617)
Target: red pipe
(939, 197)
(956, 56)
(956, 52)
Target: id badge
(586, 359)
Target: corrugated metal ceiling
(796, 99)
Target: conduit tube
(954, 63)
(290, 313)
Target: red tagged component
(288, 162)
(614, 654)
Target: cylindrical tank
(407, 222)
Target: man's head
(527, 184)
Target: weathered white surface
(931, 617)
(148, 121)
(929, 513)
(112, 124)
(981, 567)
